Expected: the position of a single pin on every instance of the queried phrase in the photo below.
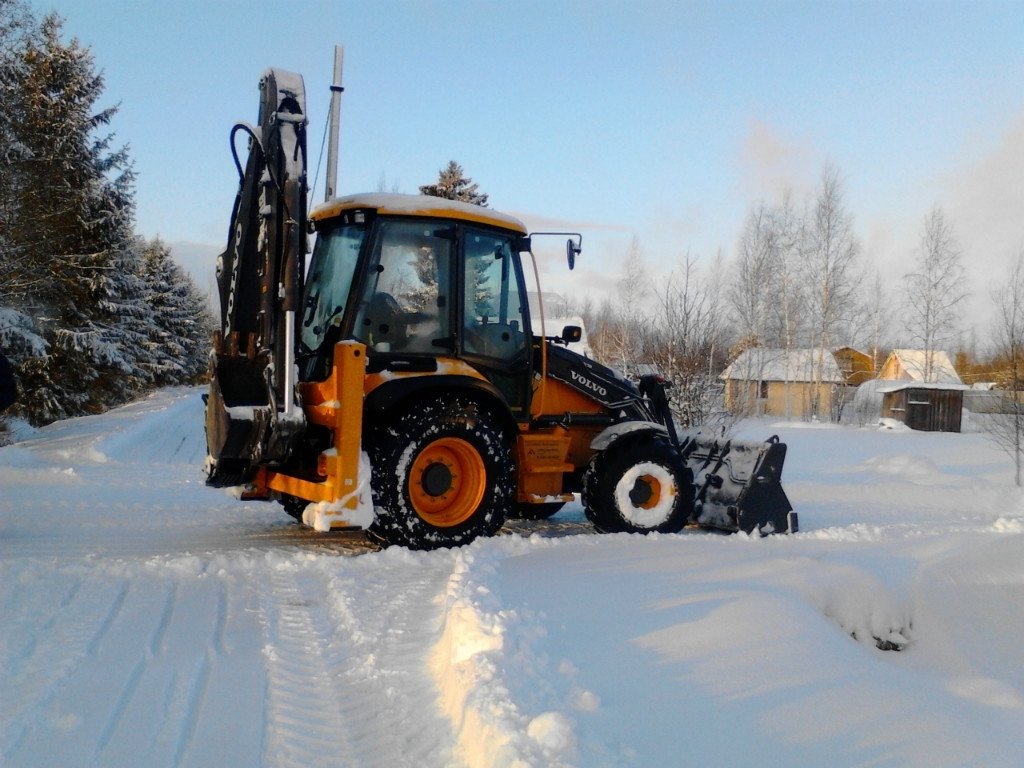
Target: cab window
(330, 278)
(405, 303)
(492, 298)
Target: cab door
(494, 331)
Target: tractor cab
(418, 281)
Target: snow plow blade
(738, 485)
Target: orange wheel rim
(447, 481)
(653, 491)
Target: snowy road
(148, 620)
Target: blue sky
(660, 120)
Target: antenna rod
(331, 184)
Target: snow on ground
(148, 620)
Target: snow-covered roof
(416, 205)
(895, 385)
(766, 364)
(914, 363)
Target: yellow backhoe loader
(398, 384)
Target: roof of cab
(417, 205)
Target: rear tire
(638, 485)
(443, 474)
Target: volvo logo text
(586, 383)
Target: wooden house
(856, 366)
(779, 382)
(917, 365)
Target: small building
(779, 382)
(917, 365)
(925, 406)
(856, 366)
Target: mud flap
(738, 485)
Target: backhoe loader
(397, 383)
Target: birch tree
(935, 290)
(1007, 428)
(751, 293)
(831, 269)
(621, 335)
(687, 331)
(789, 305)
(878, 316)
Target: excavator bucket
(738, 485)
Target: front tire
(638, 486)
(443, 474)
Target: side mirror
(571, 333)
(572, 250)
(572, 247)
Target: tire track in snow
(120, 707)
(346, 664)
(74, 635)
(194, 705)
(13, 657)
(108, 620)
(157, 638)
(304, 729)
(220, 622)
(400, 611)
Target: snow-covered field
(146, 620)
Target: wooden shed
(928, 407)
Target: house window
(764, 390)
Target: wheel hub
(646, 492)
(447, 481)
(641, 492)
(437, 479)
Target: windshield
(329, 281)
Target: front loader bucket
(738, 485)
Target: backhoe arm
(252, 413)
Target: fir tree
(182, 322)
(453, 184)
(68, 217)
(14, 23)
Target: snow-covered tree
(453, 184)
(15, 22)
(67, 224)
(178, 342)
